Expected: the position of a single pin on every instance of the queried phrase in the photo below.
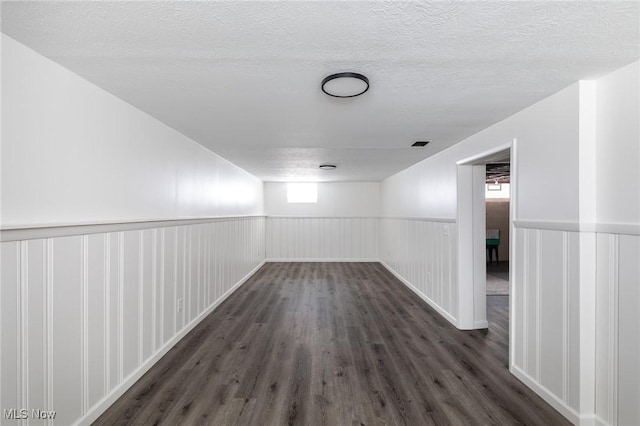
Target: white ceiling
(243, 78)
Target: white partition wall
(618, 248)
(118, 236)
(576, 246)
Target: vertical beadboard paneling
(546, 314)
(10, 338)
(572, 332)
(629, 330)
(552, 311)
(199, 267)
(613, 342)
(169, 283)
(130, 302)
(421, 253)
(147, 293)
(80, 314)
(113, 313)
(159, 289)
(35, 317)
(206, 261)
(181, 273)
(519, 288)
(194, 273)
(215, 259)
(618, 322)
(317, 238)
(533, 303)
(605, 297)
(96, 317)
(67, 331)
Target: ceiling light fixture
(327, 167)
(345, 85)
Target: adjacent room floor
(498, 278)
(335, 344)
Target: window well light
(302, 192)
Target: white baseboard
(552, 399)
(430, 302)
(478, 325)
(97, 410)
(331, 259)
(599, 421)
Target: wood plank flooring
(333, 344)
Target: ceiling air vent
(420, 143)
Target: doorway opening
(497, 224)
(497, 220)
(475, 244)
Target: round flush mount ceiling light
(345, 85)
(327, 167)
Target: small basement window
(302, 192)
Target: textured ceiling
(243, 78)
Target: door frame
(471, 211)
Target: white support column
(587, 214)
(465, 248)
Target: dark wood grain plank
(333, 344)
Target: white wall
(335, 199)
(618, 247)
(342, 226)
(557, 244)
(72, 153)
(548, 136)
(618, 147)
(86, 310)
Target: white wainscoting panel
(422, 254)
(546, 315)
(84, 316)
(322, 238)
(618, 325)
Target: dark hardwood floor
(334, 344)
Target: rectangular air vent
(420, 143)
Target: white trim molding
(52, 231)
(575, 226)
